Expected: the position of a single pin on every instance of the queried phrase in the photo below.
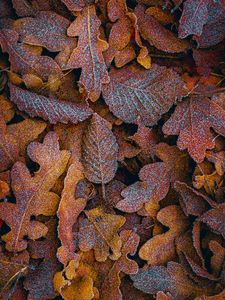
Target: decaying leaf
(88, 53)
(137, 95)
(100, 151)
(52, 109)
(173, 279)
(155, 179)
(156, 34)
(192, 121)
(99, 232)
(25, 59)
(31, 193)
(110, 287)
(161, 248)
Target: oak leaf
(155, 179)
(47, 29)
(99, 151)
(88, 53)
(192, 121)
(31, 193)
(53, 110)
(215, 219)
(192, 201)
(39, 280)
(110, 288)
(72, 203)
(156, 34)
(99, 232)
(173, 279)
(27, 60)
(161, 248)
(137, 95)
(9, 150)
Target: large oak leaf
(33, 195)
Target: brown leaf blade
(88, 53)
(137, 95)
(99, 151)
(31, 193)
(52, 110)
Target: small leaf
(99, 232)
(100, 151)
(53, 110)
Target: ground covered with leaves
(111, 149)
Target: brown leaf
(110, 288)
(99, 232)
(9, 150)
(31, 193)
(192, 201)
(88, 53)
(24, 59)
(39, 280)
(99, 151)
(137, 95)
(192, 120)
(156, 34)
(173, 279)
(155, 179)
(51, 109)
(47, 29)
(161, 248)
(71, 205)
(215, 219)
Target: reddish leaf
(214, 30)
(155, 179)
(206, 61)
(194, 17)
(215, 219)
(31, 193)
(88, 53)
(157, 35)
(76, 5)
(192, 120)
(100, 151)
(47, 29)
(24, 60)
(154, 187)
(173, 279)
(110, 288)
(99, 232)
(39, 280)
(50, 109)
(9, 150)
(137, 95)
(192, 201)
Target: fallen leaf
(52, 110)
(137, 95)
(31, 192)
(99, 232)
(89, 49)
(100, 151)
